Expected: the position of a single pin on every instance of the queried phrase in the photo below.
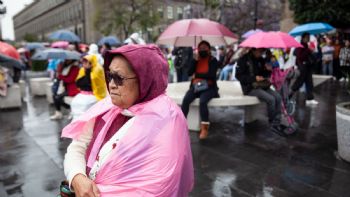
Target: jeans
(273, 101)
(204, 98)
(225, 71)
(327, 66)
(305, 76)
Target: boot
(57, 116)
(204, 130)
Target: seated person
(254, 74)
(204, 70)
(92, 84)
(67, 73)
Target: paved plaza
(234, 161)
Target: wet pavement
(234, 161)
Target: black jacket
(210, 75)
(248, 67)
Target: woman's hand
(84, 187)
(257, 78)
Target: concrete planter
(343, 130)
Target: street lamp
(255, 13)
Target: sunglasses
(117, 79)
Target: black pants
(305, 76)
(336, 69)
(58, 101)
(181, 74)
(345, 70)
(204, 98)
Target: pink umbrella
(270, 39)
(189, 32)
(60, 44)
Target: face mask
(203, 54)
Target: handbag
(65, 190)
(200, 86)
(265, 84)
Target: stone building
(43, 17)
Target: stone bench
(12, 99)
(38, 86)
(22, 85)
(48, 89)
(68, 99)
(230, 95)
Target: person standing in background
(344, 58)
(183, 57)
(304, 62)
(336, 64)
(327, 58)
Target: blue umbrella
(56, 54)
(312, 28)
(251, 32)
(64, 35)
(9, 62)
(34, 45)
(111, 40)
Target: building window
(170, 12)
(160, 12)
(179, 13)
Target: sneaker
(277, 129)
(70, 116)
(342, 79)
(311, 102)
(57, 116)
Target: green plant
(39, 65)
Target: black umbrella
(9, 62)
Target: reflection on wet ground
(234, 161)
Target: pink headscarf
(149, 65)
(154, 158)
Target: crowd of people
(116, 90)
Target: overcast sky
(13, 7)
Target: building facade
(43, 17)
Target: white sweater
(74, 160)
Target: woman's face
(124, 85)
(86, 64)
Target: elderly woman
(135, 142)
(203, 85)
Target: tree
(123, 17)
(238, 15)
(334, 12)
(30, 37)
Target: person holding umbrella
(203, 85)
(253, 74)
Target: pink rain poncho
(154, 157)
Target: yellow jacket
(98, 82)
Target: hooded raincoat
(98, 83)
(154, 156)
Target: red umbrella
(9, 50)
(270, 39)
(189, 32)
